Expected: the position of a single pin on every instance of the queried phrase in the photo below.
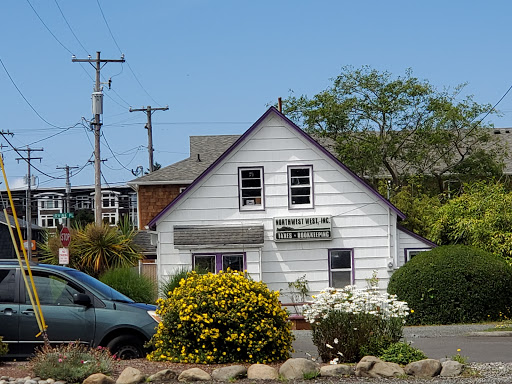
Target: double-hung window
(300, 186)
(250, 183)
(340, 267)
(216, 262)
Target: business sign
(305, 228)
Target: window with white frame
(250, 184)
(83, 202)
(49, 202)
(109, 217)
(300, 186)
(340, 267)
(216, 262)
(47, 221)
(109, 200)
(410, 253)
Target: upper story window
(109, 200)
(250, 184)
(300, 186)
(49, 202)
(83, 202)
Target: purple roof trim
(153, 222)
(417, 237)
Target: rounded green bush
(401, 353)
(454, 284)
(221, 318)
(139, 288)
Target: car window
(53, 289)
(7, 285)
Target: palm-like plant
(95, 249)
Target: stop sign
(65, 237)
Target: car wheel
(126, 347)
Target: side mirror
(81, 299)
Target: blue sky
(217, 65)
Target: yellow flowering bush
(221, 318)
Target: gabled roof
(204, 150)
(241, 139)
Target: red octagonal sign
(65, 237)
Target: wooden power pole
(97, 110)
(149, 112)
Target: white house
(280, 206)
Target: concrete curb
(491, 334)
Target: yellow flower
(458, 350)
(412, 310)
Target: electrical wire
(120, 51)
(48, 29)
(26, 100)
(69, 26)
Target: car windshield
(104, 289)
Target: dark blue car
(75, 307)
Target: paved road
(440, 341)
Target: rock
(130, 376)
(336, 370)
(194, 374)
(451, 368)
(371, 366)
(99, 378)
(164, 375)
(262, 372)
(424, 368)
(229, 373)
(299, 368)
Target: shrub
(221, 318)
(454, 284)
(139, 288)
(349, 323)
(72, 362)
(4, 348)
(173, 280)
(401, 353)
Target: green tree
(398, 126)
(94, 249)
(480, 217)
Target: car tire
(126, 347)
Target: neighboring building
(49, 203)
(279, 205)
(6, 244)
(157, 189)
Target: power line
(26, 100)
(48, 29)
(69, 26)
(120, 51)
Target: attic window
(250, 183)
(300, 186)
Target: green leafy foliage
(94, 249)
(139, 288)
(480, 217)
(401, 353)
(399, 126)
(454, 284)
(221, 318)
(4, 348)
(172, 281)
(72, 362)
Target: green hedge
(454, 284)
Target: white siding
(360, 220)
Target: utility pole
(28, 218)
(67, 207)
(97, 110)
(149, 112)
